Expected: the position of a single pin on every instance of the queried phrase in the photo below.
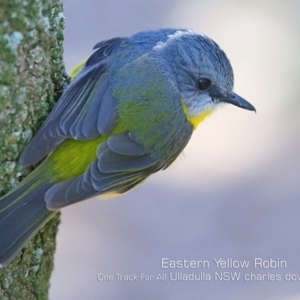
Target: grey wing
(85, 110)
(120, 165)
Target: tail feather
(22, 213)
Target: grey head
(200, 69)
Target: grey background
(235, 191)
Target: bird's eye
(203, 84)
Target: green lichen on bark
(31, 77)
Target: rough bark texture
(31, 77)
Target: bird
(129, 111)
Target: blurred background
(235, 193)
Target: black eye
(203, 84)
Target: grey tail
(22, 213)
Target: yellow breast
(197, 119)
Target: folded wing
(85, 110)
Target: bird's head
(202, 73)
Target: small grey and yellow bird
(129, 111)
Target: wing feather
(121, 164)
(123, 144)
(85, 110)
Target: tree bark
(31, 79)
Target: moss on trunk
(31, 78)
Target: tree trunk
(31, 77)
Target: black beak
(236, 100)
